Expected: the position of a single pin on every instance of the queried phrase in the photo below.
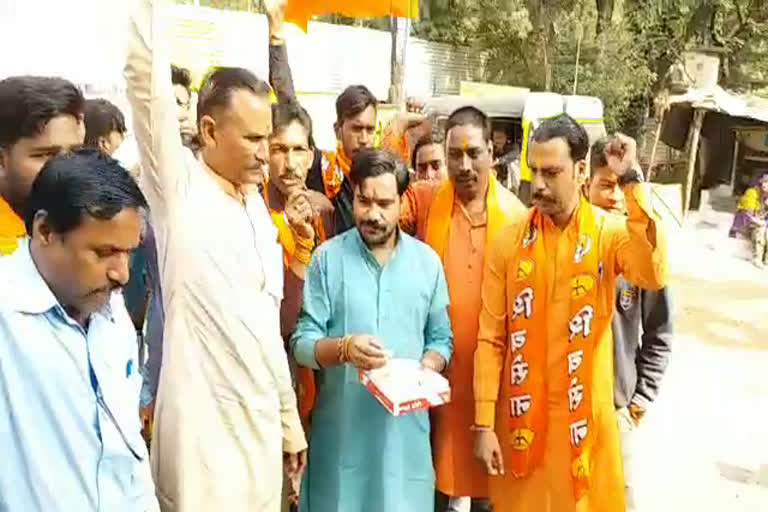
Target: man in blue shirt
(69, 384)
(370, 293)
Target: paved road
(704, 444)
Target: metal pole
(734, 163)
(578, 57)
(655, 146)
(698, 119)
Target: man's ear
(104, 145)
(4, 159)
(41, 228)
(582, 172)
(337, 128)
(208, 130)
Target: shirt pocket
(118, 399)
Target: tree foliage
(625, 48)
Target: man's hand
(294, 464)
(147, 416)
(366, 352)
(625, 421)
(621, 154)
(276, 19)
(637, 413)
(488, 452)
(433, 361)
(298, 212)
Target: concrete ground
(704, 444)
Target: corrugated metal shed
(435, 69)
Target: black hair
(28, 103)
(597, 158)
(101, 119)
(283, 114)
(83, 182)
(353, 101)
(565, 127)
(471, 116)
(182, 77)
(219, 85)
(370, 163)
(425, 140)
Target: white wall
(84, 41)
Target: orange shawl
(11, 228)
(335, 167)
(527, 354)
(441, 211)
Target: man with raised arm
(226, 410)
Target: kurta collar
(367, 254)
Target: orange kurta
(11, 228)
(632, 247)
(458, 472)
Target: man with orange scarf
(544, 411)
(304, 218)
(458, 218)
(40, 117)
(355, 126)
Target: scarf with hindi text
(527, 353)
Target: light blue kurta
(361, 458)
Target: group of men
(276, 272)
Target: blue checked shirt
(70, 436)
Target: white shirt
(226, 408)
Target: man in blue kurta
(370, 294)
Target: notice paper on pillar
(404, 386)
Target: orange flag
(300, 12)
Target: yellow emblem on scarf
(522, 438)
(581, 285)
(525, 269)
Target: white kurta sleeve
(150, 93)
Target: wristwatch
(631, 176)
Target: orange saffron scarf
(441, 211)
(11, 229)
(284, 232)
(335, 167)
(527, 354)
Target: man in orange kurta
(458, 218)
(544, 421)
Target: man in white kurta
(225, 410)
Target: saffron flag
(299, 12)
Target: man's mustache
(107, 289)
(373, 225)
